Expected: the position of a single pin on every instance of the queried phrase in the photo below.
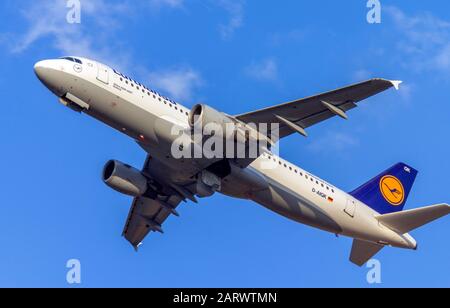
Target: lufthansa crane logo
(392, 190)
(77, 68)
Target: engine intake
(125, 179)
(240, 140)
(204, 115)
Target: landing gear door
(103, 73)
(350, 208)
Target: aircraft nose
(41, 67)
(49, 73)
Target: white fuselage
(147, 117)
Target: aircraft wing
(149, 214)
(298, 115)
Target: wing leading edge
(298, 115)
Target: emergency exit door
(103, 73)
(350, 208)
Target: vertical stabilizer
(388, 192)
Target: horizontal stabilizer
(403, 222)
(363, 251)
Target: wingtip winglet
(396, 84)
(136, 247)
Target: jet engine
(210, 122)
(202, 115)
(125, 179)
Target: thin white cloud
(442, 58)
(166, 3)
(423, 40)
(289, 37)
(335, 142)
(406, 92)
(47, 19)
(235, 9)
(178, 83)
(266, 70)
(361, 75)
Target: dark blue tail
(388, 192)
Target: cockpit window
(72, 60)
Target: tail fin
(388, 192)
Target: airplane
(372, 215)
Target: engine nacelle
(209, 121)
(207, 184)
(202, 115)
(125, 179)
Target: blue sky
(236, 56)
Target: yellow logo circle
(392, 190)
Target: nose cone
(41, 68)
(48, 73)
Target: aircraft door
(103, 73)
(350, 208)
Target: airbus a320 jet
(372, 214)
